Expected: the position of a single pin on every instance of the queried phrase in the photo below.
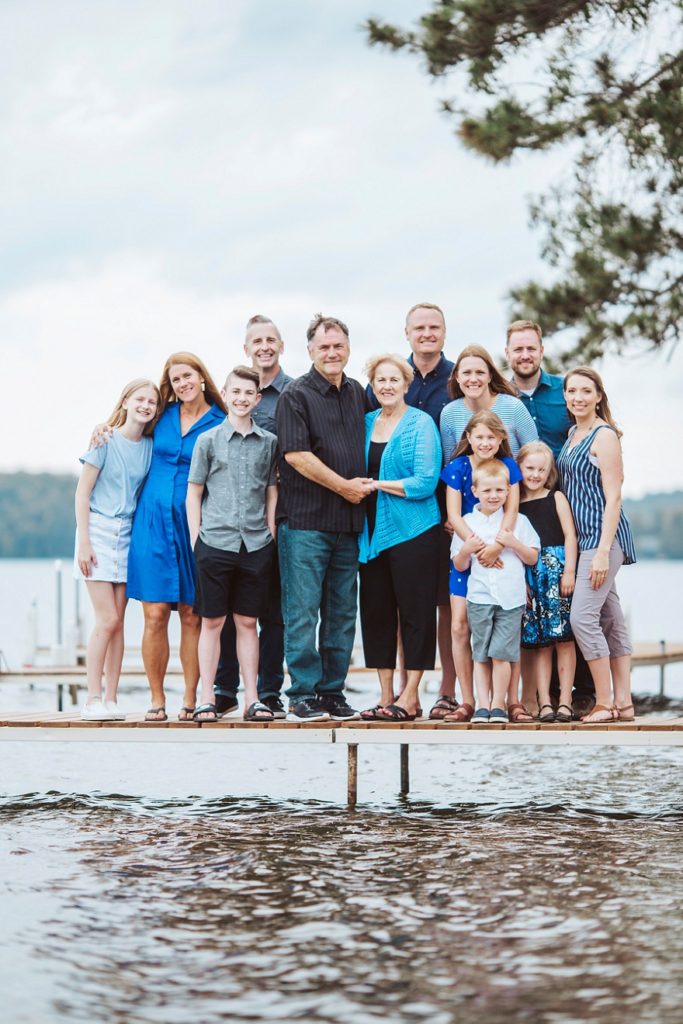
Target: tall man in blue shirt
(263, 345)
(541, 392)
(426, 333)
(543, 395)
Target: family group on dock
(476, 510)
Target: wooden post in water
(352, 781)
(662, 651)
(405, 769)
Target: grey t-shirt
(235, 469)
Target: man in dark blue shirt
(264, 346)
(426, 333)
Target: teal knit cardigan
(412, 455)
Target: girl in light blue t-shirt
(111, 480)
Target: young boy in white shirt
(495, 597)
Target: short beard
(527, 376)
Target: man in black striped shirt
(320, 427)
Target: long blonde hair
(120, 415)
(211, 392)
(602, 409)
(538, 448)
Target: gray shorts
(496, 632)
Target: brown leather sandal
(628, 717)
(600, 709)
(462, 714)
(518, 713)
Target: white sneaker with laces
(95, 711)
(114, 711)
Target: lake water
(231, 884)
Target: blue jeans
(319, 573)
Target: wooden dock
(646, 731)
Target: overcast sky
(171, 167)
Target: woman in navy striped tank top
(591, 475)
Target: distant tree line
(37, 515)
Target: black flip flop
(395, 713)
(205, 709)
(252, 713)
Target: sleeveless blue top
(581, 481)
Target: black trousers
(399, 587)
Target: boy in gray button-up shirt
(231, 500)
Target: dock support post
(60, 696)
(352, 781)
(405, 769)
(662, 651)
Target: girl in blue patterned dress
(550, 582)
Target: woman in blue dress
(161, 564)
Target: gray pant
(596, 618)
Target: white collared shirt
(504, 587)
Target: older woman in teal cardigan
(399, 547)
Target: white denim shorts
(110, 540)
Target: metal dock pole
(405, 769)
(662, 666)
(352, 781)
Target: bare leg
(513, 688)
(566, 669)
(114, 657)
(600, 670)
(386, 685)
(402, 674)
(409, 699)
(247, 655)
(462, 652)
(501, 672)
(483, 682)
(190, 626)
(529, 688)
(543, 658)
(155, 648)
(108, 629)
(621, 680)
(446, 653)
(208, 651)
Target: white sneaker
(95, 711)
(114, 711)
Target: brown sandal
(625, 717)
(462, 714)
(600, 709)
(518, 713)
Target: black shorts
(232, 581)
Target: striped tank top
(581, 481)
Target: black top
(375, 454)
(542, 514)
(313, 415)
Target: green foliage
(603, 79)
(37, 515)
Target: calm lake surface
(195, 883)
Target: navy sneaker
(274, 704)
(307, 710)
(481, 715)
(336, 705)
(497, 716)
(227, 706)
